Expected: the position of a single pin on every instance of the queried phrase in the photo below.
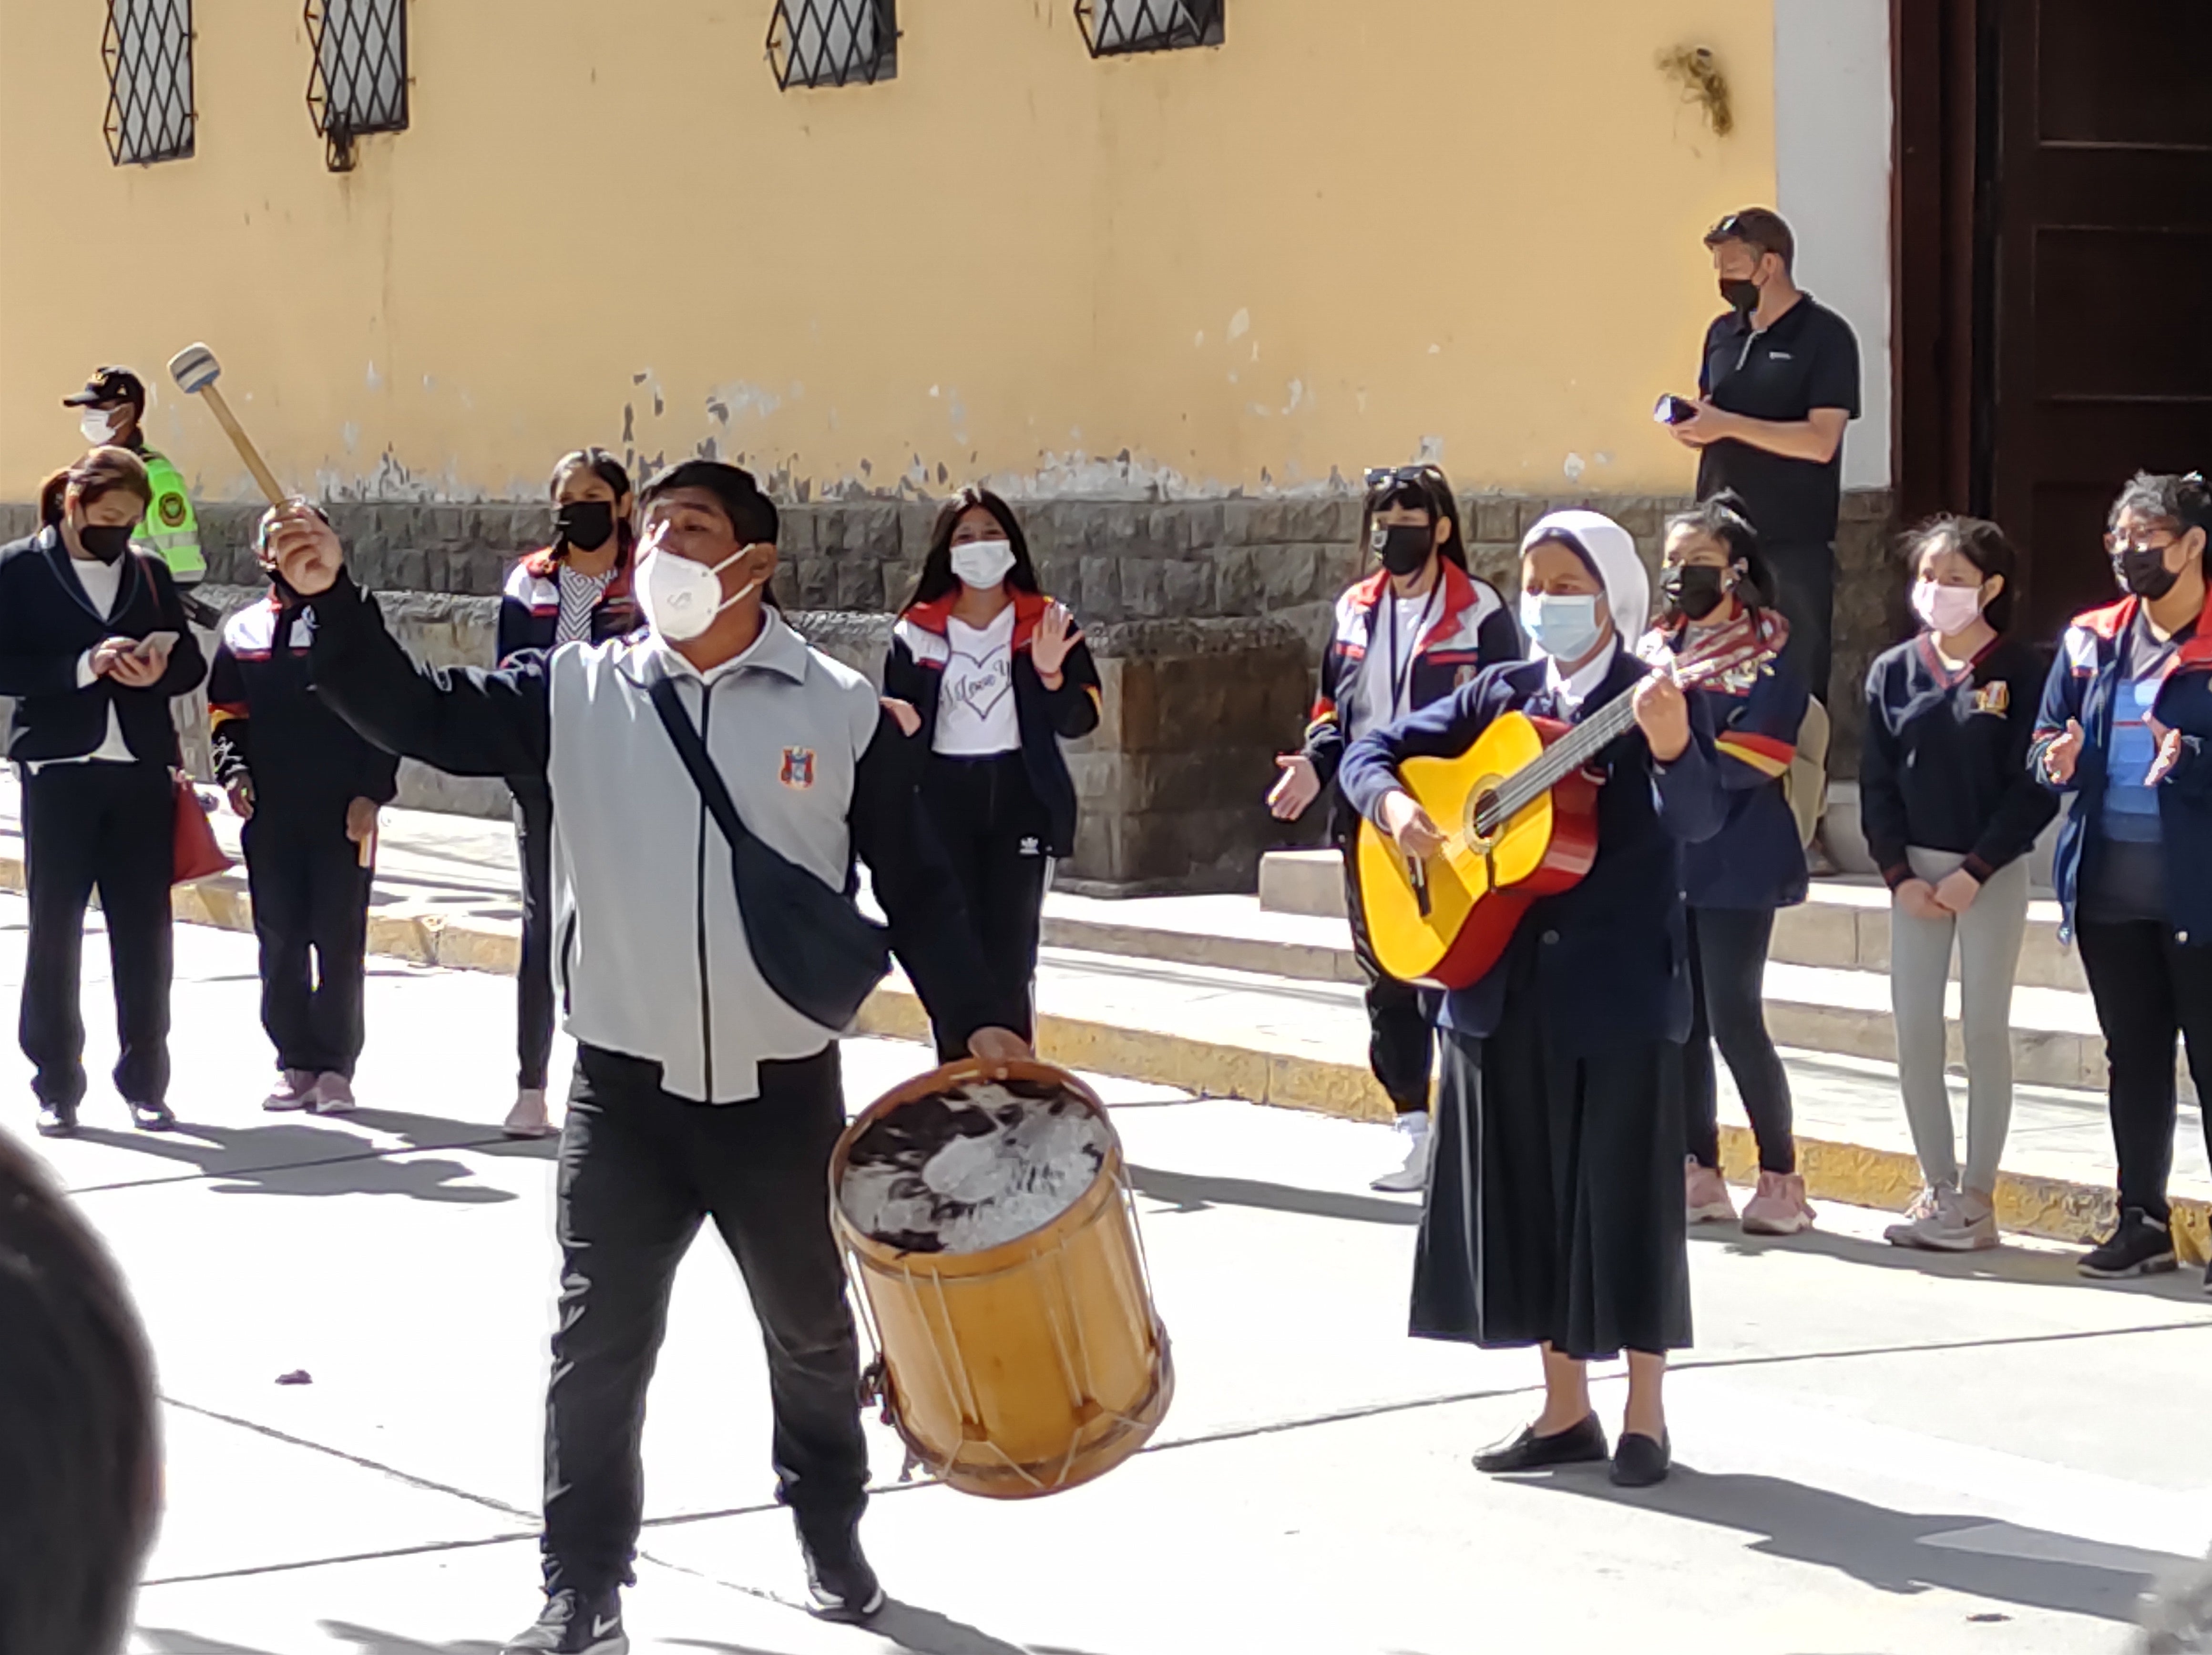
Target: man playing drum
(699, 1093)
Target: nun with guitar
(1521, 849)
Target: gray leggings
(1988, 938)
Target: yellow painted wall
(1354, 227)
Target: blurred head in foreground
(78, 1456)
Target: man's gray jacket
(650, 955)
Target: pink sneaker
(295, 1089)
(1706, 1194)
(333, 1093)
(1779, 1207)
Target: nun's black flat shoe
(1579, 1444)
(1639, 1462)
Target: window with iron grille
(833, 42)
(1116, 27)
(148, 49)
(359, 80)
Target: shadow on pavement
(299, 1159)
(2031, 1268)
(1191, 1193)
(1897, 1551)
(904, 1628)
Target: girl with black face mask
(2125, 724)
(94, 646)
(1405, 635)
(1713, 613)
(576, 590)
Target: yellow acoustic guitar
(1519, 817)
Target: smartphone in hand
(154, 645)
(1675, 410)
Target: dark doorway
(2054, 266)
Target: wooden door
(2102, 308)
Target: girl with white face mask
(1951, 811)
(999, 674)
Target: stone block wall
(1208, 615)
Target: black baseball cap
(109, 385)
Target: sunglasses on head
(1383, 476)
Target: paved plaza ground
(1877, 1451)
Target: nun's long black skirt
(1554, 1210)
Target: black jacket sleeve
(1324, 742)
(467, 722)
(932, 931)
(1074, 706)
(1881, 799)
(230, 720)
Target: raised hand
(1056, 634)
(2062, 753)
(1297, 789)
(303, 548)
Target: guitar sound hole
(1482, 814)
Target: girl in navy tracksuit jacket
(1950, 814)
(1715, 622)
(1000, 675)
(1405, 637)
(2125, 728)
(578, 588)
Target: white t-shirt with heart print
(975, 705)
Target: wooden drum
(1029, 1366)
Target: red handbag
(194, 853)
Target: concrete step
(1302, 1044)
(1843, 922)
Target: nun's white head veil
(1610, 550)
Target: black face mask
(1404, 548)
(585, 524)
(105, 541)
(2141, 570)
(1693, 589)
(1740, 293)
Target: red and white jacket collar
(931, 617)
(2113, 619)
(1462, 593)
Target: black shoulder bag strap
(819, 953)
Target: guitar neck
(1564, 756)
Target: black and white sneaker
(152, 1117)
(57, 1120)
(2138, 1245)
(844, 1587)
(571, 1625)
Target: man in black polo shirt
(1779, 384)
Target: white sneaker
(1945, 1221)
(1413, 1178)
(528, 1119)
(295, 1089)
(333, 1093)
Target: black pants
(533, 982)
(1806, 575)
(109, 827)
(2148, 988)
(310, 913)
(1400, 1042)
(993, 831)
(1728, 959)
(639, 1170)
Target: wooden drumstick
(196, 370)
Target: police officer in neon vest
(114, 403)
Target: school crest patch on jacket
(1994, 698)
(798, 766)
